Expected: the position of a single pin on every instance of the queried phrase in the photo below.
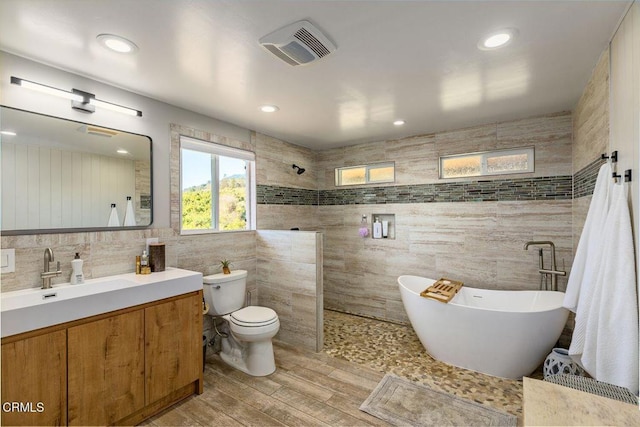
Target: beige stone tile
(469, 140)
(275, 159)
(276, 299)
(395, 311)
(591, 117)
(370, 306)
(417, 171)
(274, 244)
(286, 217)
(421, 146)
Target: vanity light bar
(115, 107)
(80, 100)
(45, 89)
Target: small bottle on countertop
(145, 268)
(77, 276)
(138, 264)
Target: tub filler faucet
(544, 273)
(47, 275)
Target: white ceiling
(415, 60)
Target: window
(500, 162)
(366, 174)
(217, 187)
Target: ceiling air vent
(298, 44)
(97, 131)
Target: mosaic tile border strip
(543, 188)
(275, 195)
(584, 181)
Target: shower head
(300, 170)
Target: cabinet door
(34, 380)
(106, 369)
(173, 346)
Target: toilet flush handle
(216, 287)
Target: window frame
(217, 150)
(529, 151)
(338, 175)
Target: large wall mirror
(62, 176)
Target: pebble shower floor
(394, 348)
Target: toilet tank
(225, 293)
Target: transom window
(499, 162)
(365, 174)
(217, 187)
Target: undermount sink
(31, 309)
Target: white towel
(610, 322)
(114, 220)
(589, 250)
(129, 216)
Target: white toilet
(249, 347)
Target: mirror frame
(88, 229)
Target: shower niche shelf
(391, 225)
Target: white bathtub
(506, 334)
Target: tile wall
(289, 280)
(471, 230)
(590, 140)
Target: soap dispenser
(77, 276)
(377, 229)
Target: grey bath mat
(404, 403)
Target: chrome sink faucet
(47, 275)
(554, 273)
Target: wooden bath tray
(442, 290)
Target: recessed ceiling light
(398, 122)
(117, 43)
(122, 151)
(269, 108)
(497, 39)
(8, 133)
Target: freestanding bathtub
(506, 334)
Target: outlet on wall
(8, 258)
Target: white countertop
(29, 309)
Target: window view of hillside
(199, 202)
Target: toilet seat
(253, 317)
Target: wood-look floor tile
(242, 412)
(348, 391)
(307, 389)
(304, 387)
(317, 409)
(176, 416)
(206, 415)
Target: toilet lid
(254, 316)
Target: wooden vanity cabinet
(106, 369)
(115, 368)
(34, 379)
(173, 340)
